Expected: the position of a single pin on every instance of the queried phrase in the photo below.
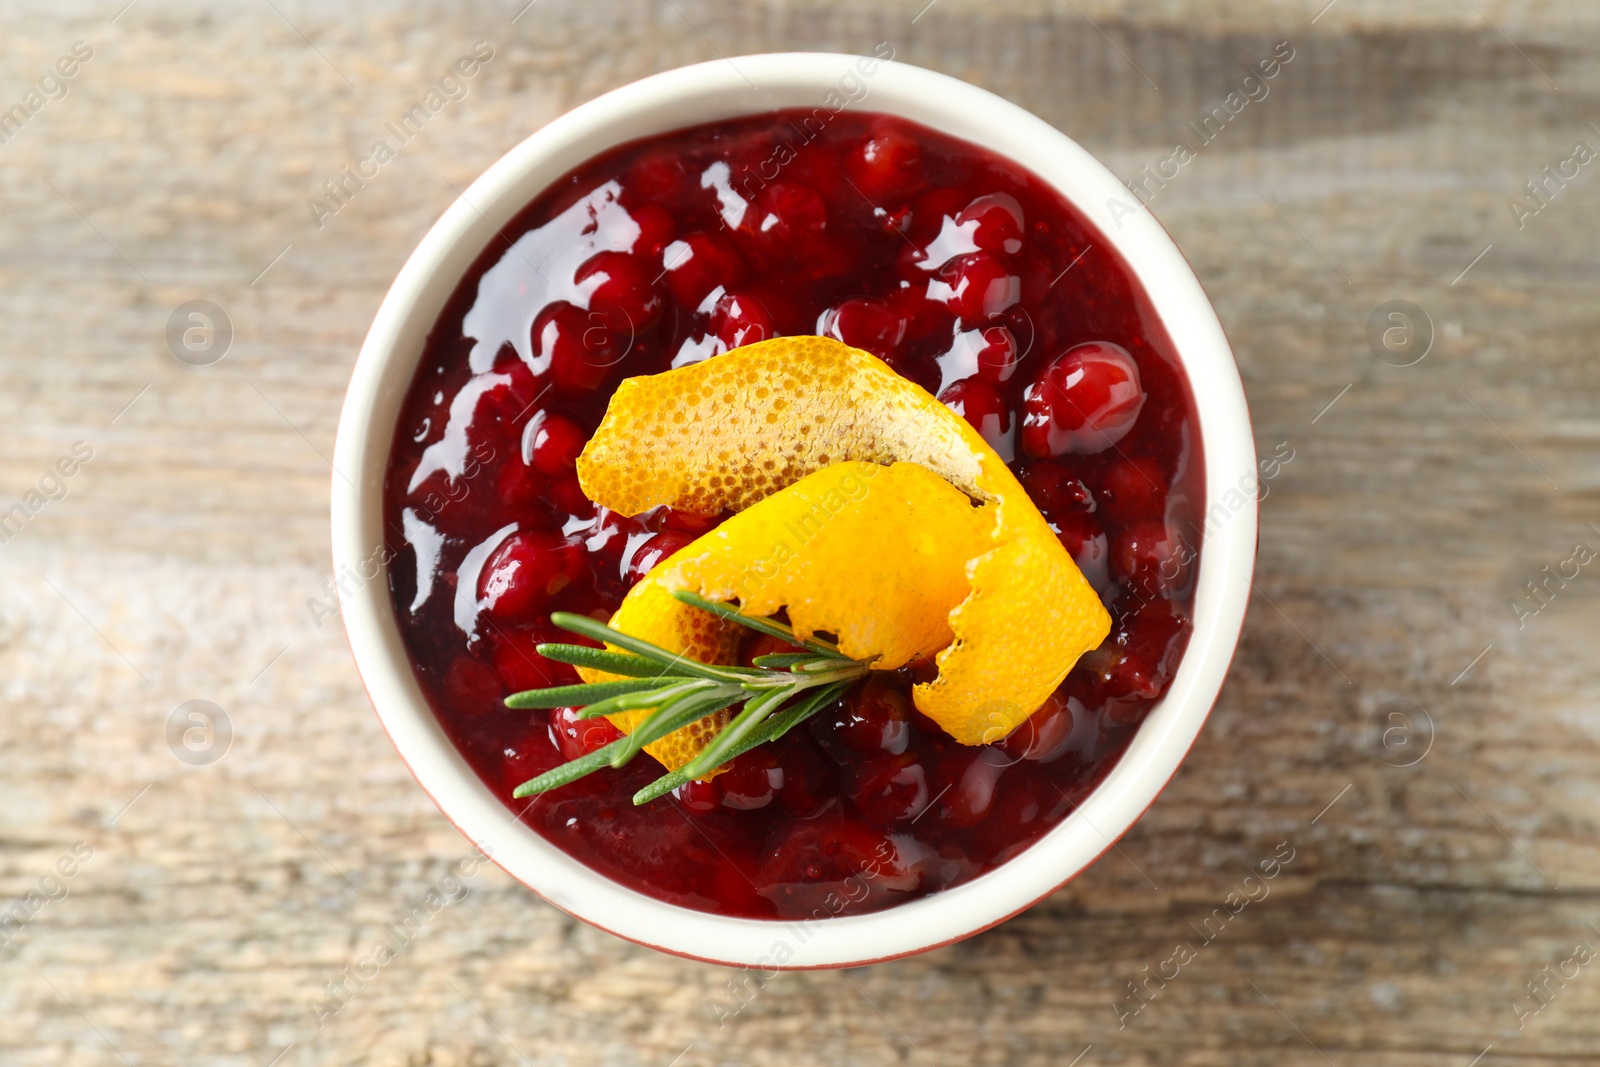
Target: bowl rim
(712, 91)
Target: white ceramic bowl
(724, 89)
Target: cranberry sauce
(969, 276)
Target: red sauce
(969, 276)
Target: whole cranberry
(1054, 491)
(997, 359)
(998, 219)
(580, 346)
(519, 484)
(568, 496)
(697, 263)
(784, 221)
(1145, 648)
(1046, 734)
(699, 797)
(866, 323)
(976, 287)
(825, 861)
(526, 570)
(622, 294)
(501, 407)
(578, 737)
(552, 442)
(888, 162)
(751, 780)
(808, 780)
(1083, 401)
(888, 788)
(965, 781)
(1151, 559)
(982, 406)
(653, 551)
(873, 718)
(607, 536)
(656, 228)
(516, 658)
(1134, 489)
(925, 320)
(737, 319)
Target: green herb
(779, 692)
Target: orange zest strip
(744, 427)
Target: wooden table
(209, 903)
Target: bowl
(719, 90)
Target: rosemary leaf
(603, 659)
(674, 662)
(562, 696)
(569, 772)
(774, 728)
(760, 625)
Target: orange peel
(751, 426)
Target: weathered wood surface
(219, 899)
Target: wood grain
(219, 900)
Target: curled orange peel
(769, 431)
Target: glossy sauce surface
(969, 276)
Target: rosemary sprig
(781, 691)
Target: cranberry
(1047, 732)
(507, 403)
(808, 781)
(1143, 654)
(738, 320)
(965, 783)
(699, 797)
(1150, 559)
(568, 496)
(581, 346)
(578, 737)
(516, 658)
(606, 538)
(886, 163)
(751, 780)
(526, 570)
(623, 295)
(976, 287)
(831, 864)
(784, 221)
(997, 359)
(698, 263)
(1053, 490)
(925, 321)
(1134, 489)
(873, 718)
(519, 484)
(998, 219)
(653, 551)
(890, 788)
(655, 231)
(865, 323)
(981, 405)
(1085, 400)
(552, 443)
